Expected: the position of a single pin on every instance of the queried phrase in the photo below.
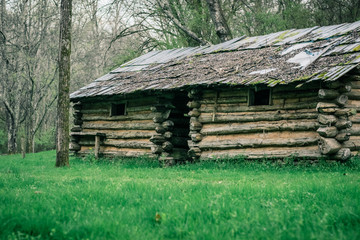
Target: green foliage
(135, 199)
(45, 140)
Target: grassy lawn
(140, 200)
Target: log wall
(125, 135)
(353, 142)
(225, 126)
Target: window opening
(118, 109)
(259, 97)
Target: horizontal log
(324, 107)
(345, 89)
(226, 108)
(225, 93)
(328, 146)
(109, 151)
(311, 152)
(255, 143)
(352, 144)
(354, 104)
(148, 116)
(343, 154)
(195, 126)
(342, 123)
(168, 125)
(76, 129)
(354, 130)
(219, 129)
(168, 135)
(224, 100)
(197, 137)
(122, 134)
(294, 94)
(354, 94)
(156, 149)
(327, 131)
(334, 85)
(194, 152)
(355, 118)
(355, 84)
(328, 94)
(262, 135)
(327, 119)
(273, 116)
(73, 146)
(158, 139)
(345, 112)
(193, 104)
(139, 144)
(194, 113)
(131, 125)
(341, 100)
(342, 137)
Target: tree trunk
(12, 146)
(221, 27)
(62, 144)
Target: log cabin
(293, 93)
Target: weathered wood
(324, 107)
(194, 152)
(343, 123)
(160, 129)
(273, 116)
(327, 119)
(77, 115)
(342, 137)
(228, 108)
(355, 118)
(74, 146)
(294, 94)
(328, 145)
(197, 137)
(254, 143)
(76, 129)
(168, 125)
(195, 126)
(97, 146)
(327, 131)
(192, 144)
(352, 144)
(168, 134)
(311, 152)
(355, 83)
(343, 154)
(157, 139)
(194, 113)
(328, 94)
(194, 104)
(119, 118)
(233, 128)
(129, 143)
(77, 106)
(167, 146)
(118, 134)
(156, 149)
(341, 100)
(335, 84)
(345, 89)
(354, 130)
(345, 112)
(131, 125)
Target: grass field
(140, 200)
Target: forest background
(107, 33)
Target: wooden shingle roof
(318, 53)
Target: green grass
(218, 200)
